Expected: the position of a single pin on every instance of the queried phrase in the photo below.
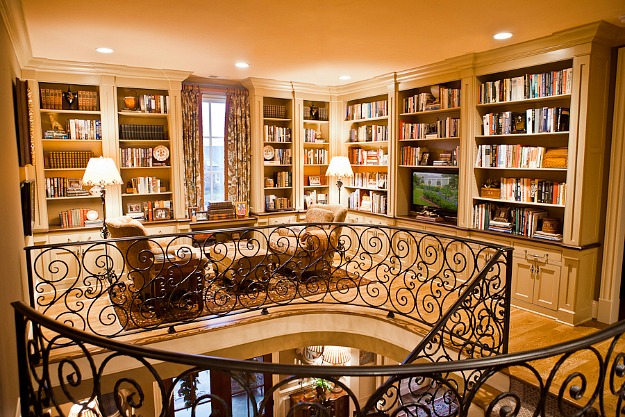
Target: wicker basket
(490, 192)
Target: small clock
(160, 153)
(268, 152)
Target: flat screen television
(437, 191)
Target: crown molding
(13, 17)
(95, 68)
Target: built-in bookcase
(316, 151)
(521, 151)
(71, 133)
(145, 153)
(278, 154)
(429, 138)
(367, 146)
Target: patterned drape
(192, 146)
(238, 145)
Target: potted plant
(321, 387)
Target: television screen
(437, 191)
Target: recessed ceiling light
(502, 35)
(345, 77)
(104, 50)
(242, 65)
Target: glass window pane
(213, 120)
(218, 119)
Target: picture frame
(241, 208)
(425, 156)
(201, 216)
(161, 213)
(314, 180)
(192, 213)
(134, 208)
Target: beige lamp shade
(101, 172)
(340, 167)
(336, 355)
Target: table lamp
(339, 167)
(99, 173)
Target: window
(213, 122)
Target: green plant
(322, 383)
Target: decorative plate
(161, 153)
(268, 152)
(92, 215)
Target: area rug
(222, 296)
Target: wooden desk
(222, 224)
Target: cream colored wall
(12, 239)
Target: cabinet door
(546, 286)
(522, 280)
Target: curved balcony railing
(457, 290)
(428, 389)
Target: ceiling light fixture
(345, 77)
(104, 50)
(242, 65)
(502, 35)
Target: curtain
(192, 146)
(237, 137)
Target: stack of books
(219, 210)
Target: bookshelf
(428, 138)
(522, 151)
(315, 141)
(71, 133)
(367, 145)
(277, 154)
(145, 153)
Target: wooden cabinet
(315, 144)
(337, 404)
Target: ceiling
(292, 40)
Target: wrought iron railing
(426, 389)
(456, 289)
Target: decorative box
(490, 192)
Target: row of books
(538, 120)
(449, 98)
(312, 136)
(283, 179)
(510, 156)
(523, 221)
(152, 103)
(369, 133)
(360, 156)
(274, 111)
(273, 202)
(315, 156)
(77, 129)
(531, 190)
(413, 155)
(447, 128)
(369, 180)
(138, 157)
(374, 202)
(64, 187)
(443, 159)
(317, 113)
(313, 197)
(367, 110)
(281, 157)
(547, 84)
(52, 99)
(146, 185)
(67, 159)
(75, 217)
(277, 133)
(142, 132)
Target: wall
(12, 239)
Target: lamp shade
(101, 172)
(336, 355)
(340, 167)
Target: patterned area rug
(222, 296)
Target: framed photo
(241, 208)
(161, 213)
(74, 184)
(314, 180)
(425, 156)
(201, 216)
(192, 213)
(134, 208)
